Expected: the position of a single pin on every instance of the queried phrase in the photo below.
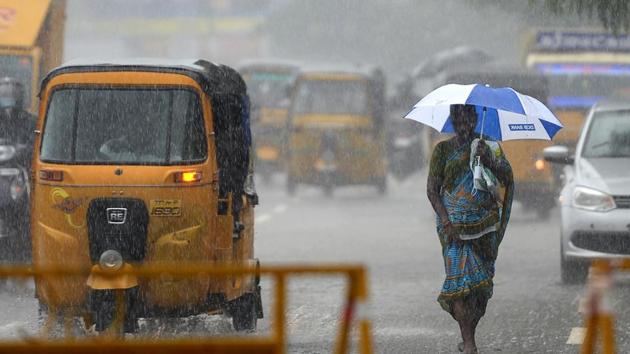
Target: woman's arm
(434, 185)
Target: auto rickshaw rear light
(188, 177)
(51, 175)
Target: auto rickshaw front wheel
(291, 186)
(245, 313)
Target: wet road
(531, 312)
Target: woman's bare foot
(460, 346)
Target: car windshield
(608, 135)
(124, 126)
(268, 89)
(332, 97)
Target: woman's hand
(483, 151)
(451, 233)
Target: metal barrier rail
(598, 315)
(356, 298)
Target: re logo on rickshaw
(116, 215)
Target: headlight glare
(111, 260)
(592, 199)
(6, 152)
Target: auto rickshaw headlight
(111, 260)
(17, 188)
(540, 164)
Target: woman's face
(464, 120)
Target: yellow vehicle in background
(582, 67)
(31, 42)
(269, 85)
(136, 164)
(336, 129)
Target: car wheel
(328, 190)
(244, 313)
(291, 186)
(571, 272)
(381, 185)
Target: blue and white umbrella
(503, 113)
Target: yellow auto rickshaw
(138, 164)
(269, 85)
(336, 129)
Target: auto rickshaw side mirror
(559, 154)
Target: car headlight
(6, 152)
(592, 199)
(111, 260)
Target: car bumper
(589, 235)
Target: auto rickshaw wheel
(329, 189)
(78, 324)
(381, 185)
(291, 186)
(244, 313)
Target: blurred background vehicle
(269, 85)
(31, 42)
(582, 67)
(336, 134)
(595, 200)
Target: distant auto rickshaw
(137, 164)
(336, 129)
(269, 85)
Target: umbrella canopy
(503, 113)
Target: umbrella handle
(483, 120)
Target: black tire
(382, 186)
(329, 190)
(244, 313)
(291, 186)
(572, 272)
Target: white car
(595, 199)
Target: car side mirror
(558, 154)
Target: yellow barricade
(276, 342)
(598, 315)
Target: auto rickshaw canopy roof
(213, 78)
(268, 64)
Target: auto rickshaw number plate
(166, 207)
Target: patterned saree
(476, 217)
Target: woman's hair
(463, 110)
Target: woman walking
(471, 222)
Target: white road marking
(262, 218)
(280, 209)
(408, 332)
(10, 327)
(576, 337)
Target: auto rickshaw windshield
(124, 126)
(332, 97)
(269, 89)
